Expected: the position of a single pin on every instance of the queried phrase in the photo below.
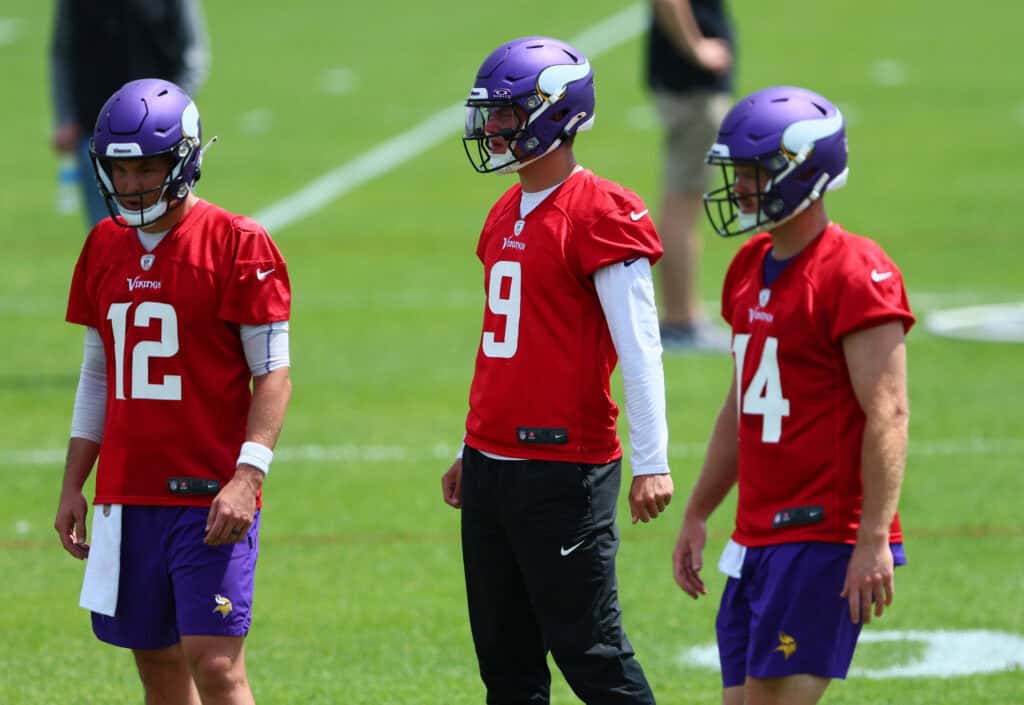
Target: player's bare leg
(218, 667)
(684, 325)
(733, 695)
(802, 689)
(166, 677)
(680, 303)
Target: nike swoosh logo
(566, 551)
(637, 216)
(877, 276)
(627, 262)
(261, 275)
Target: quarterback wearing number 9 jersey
(567, 278)
(813, 429)
(185, 305)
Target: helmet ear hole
(774, 207)
(559, 115)
(809, 176)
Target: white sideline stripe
(921, 301)
(596, 40)
(446, 451)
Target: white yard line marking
(257, 121)
(443, 451)
(598, 39)
(993, 322)
(338, 81)
(889, 72)
(10, 30)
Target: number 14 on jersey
(764, 395)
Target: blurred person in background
(567, 261)
(813, 428)
(182, 392)
(690, 59)
(99, 46)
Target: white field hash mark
(947, 654)
(445, 451)
(594, 41)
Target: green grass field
(360, 597)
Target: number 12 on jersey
(764, 395)
(167, 346)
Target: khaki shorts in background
(691, 122)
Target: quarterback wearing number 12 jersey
(801, 428)
(169, 320)
(546, 354)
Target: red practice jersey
(541, 385)
(177, 379)
(801, 427)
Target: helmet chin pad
(146, 216)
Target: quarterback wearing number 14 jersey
(169, 320)
(546, 354)
(801, 427)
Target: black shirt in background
(669, 71)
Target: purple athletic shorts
(172, 584)
(784, 615)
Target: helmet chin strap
(752, 218)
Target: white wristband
(257, 455)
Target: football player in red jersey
(567, 274)
(814, 426)
(184, 306)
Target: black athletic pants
(538, 547)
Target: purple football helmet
(147, 118)
(792, 136)
(546, 86)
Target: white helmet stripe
(190, 121)
(798, 136)
(553, 81)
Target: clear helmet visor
(491, 133)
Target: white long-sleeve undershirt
(626, 292)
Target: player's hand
(70, 523)
(869, 579)
(649, 495)
(451, 485)
(234, 507)
(688, 557)
(66, 136)
(714, 55)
